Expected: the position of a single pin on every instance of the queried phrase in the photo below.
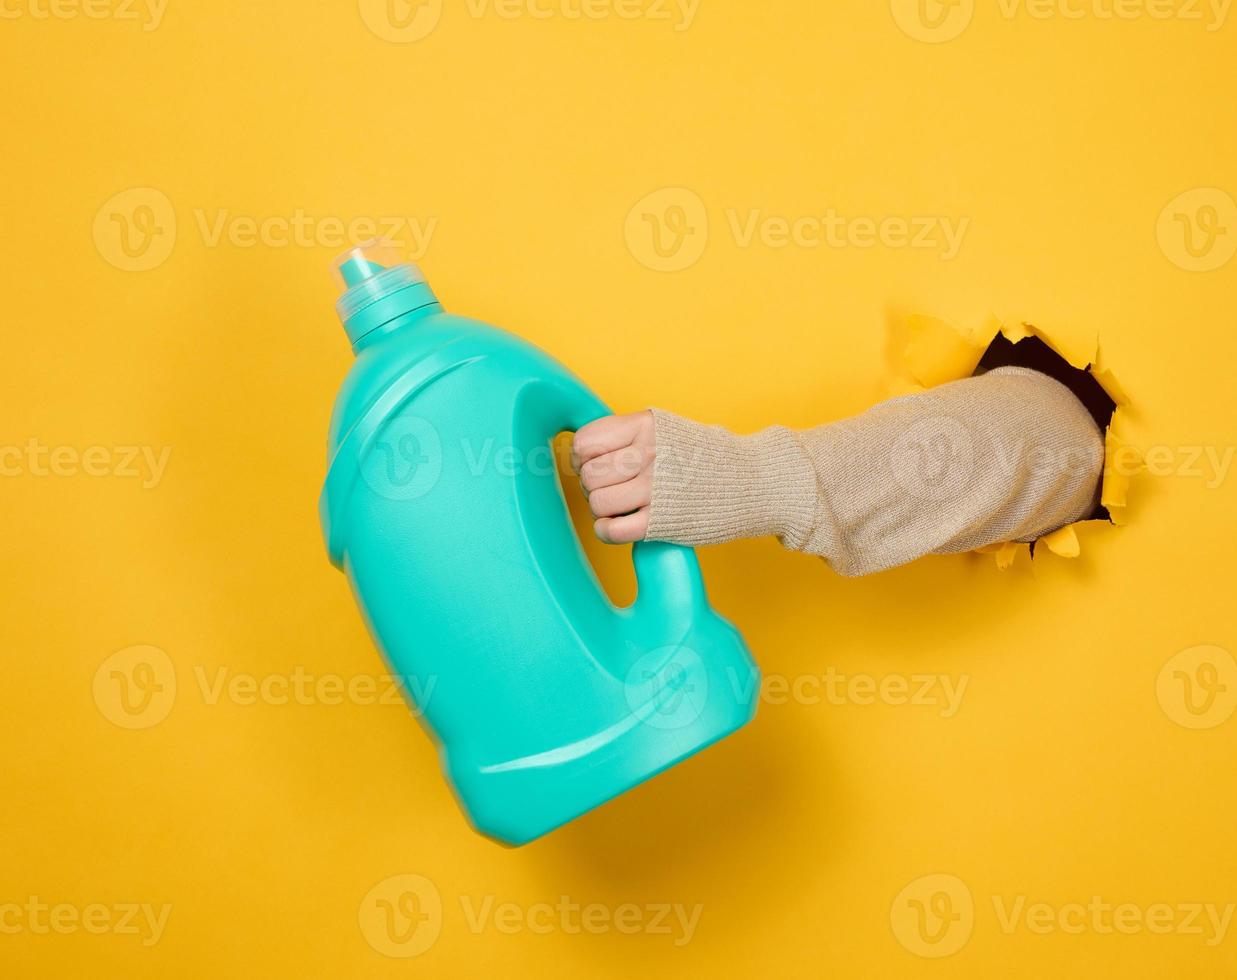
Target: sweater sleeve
(1006, 456)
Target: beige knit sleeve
(1006, 456)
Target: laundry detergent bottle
(443, 506)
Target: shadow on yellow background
(710, 207)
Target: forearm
(1007, 456)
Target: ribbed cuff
(711, 486)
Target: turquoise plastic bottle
(443, 506)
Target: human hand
(614, 460)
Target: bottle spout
(377, 264)
(355, 269)
(377, 285)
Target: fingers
(606, 436)
(623, 530)
(616, 467)
(614, 457)
(622, 498)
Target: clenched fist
(614, 459)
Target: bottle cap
(370, 272)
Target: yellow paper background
(527, 142)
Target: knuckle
(581, 442)
(602, 503)
(590, 476)
(628, 460)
